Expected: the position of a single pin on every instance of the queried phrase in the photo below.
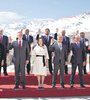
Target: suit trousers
(74, 66)
(59, 67)
(19, 69)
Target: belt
(43, 58)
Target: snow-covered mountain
(70, 24)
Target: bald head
(77, 38)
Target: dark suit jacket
(47, 43)
(30, 40)
(85, 45)
(67, 42)
(78, 55)
(5, 43)
(2, 53)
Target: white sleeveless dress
(38, 67)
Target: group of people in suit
(48, 48)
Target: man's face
(47, 32)
(82, 35)
(19, 35)
(1, 32)
(77, 38)
(59, 39)
(63, 33)
(27, 31)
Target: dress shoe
(24, 87)
(85, 73)
(5, 74)
(53, 86)
(62, 85)
(16, 87)
(71, 85)
(83, 86)
(66, 74)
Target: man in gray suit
(60, 59)
(21, 57)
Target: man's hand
(27, 61)
(84, 63)
(39, 31)
(46, 63)
(2, 63)
(66, 63)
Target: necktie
(64, 38)
(60, 47)
(47, 38)
(78, 45)
(27, 37)
(19, 44)
(83, 41)
(0, 39)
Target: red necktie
(0, 38)
(19, 44)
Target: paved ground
(61, 98)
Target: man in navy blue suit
(29, 39)
(85, 42)
(66, 41)
(78, 59)
(47, 38)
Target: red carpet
(7, 85)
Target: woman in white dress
(40, 56)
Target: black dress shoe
(83, 86)
(28, 73)
(53, 86)
(71, 85)
(16, 87)
(40, 87)
(66, 74)
(24, 87)
(85, 73)
(62, 85)
(5, 74)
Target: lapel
(3, 39)
(77, 46)
(59, 48)
(17, 43)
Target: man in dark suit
(4, 42)
(60, 59)
(20, 58)
(85, 42)
(78, 59)
(47, 38)
(2, 50)
(66, 41)
(29, 39)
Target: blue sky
(54, 9)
